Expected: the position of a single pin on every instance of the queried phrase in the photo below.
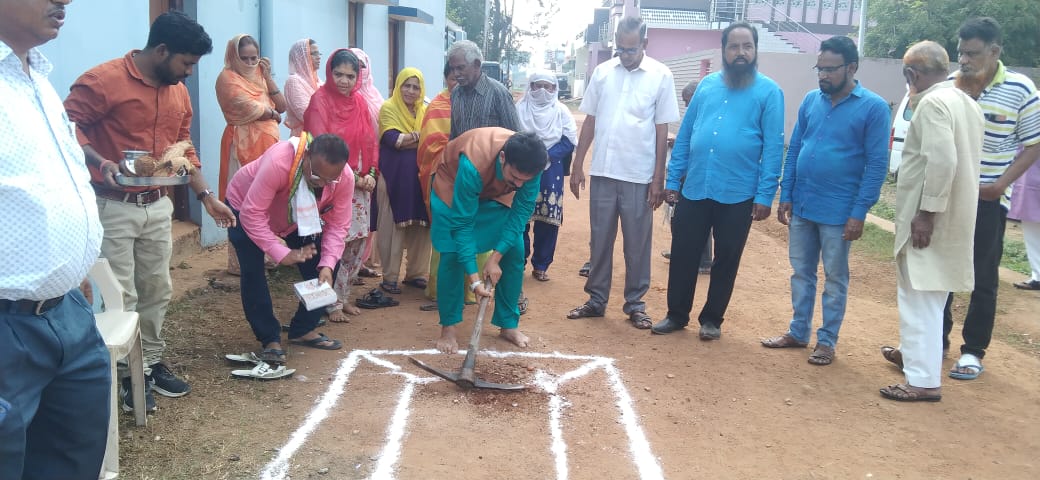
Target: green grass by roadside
(1014, 250)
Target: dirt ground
(725, 409)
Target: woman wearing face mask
(338, 108)
(403, 223)
(542, 113)
(252, 106)
(302, 82)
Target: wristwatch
(205, 193)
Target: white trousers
(920, 330)
(1031, 235)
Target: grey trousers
(609, 200)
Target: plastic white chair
(122, 334)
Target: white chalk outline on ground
(639, 447)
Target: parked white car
(900, 124)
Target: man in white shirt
(54, 367)
(629, 102)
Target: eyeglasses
(627, 51)
(828, 70)
(315, 178)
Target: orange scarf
(242, 95)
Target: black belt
(30, 307)
(141, 199)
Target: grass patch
(1014, 251)
(1015, 257)
(876, 243)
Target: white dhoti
(920, 330)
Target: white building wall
(423, 45)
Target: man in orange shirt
(139, 103)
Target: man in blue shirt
(835, 165)
(729, 148)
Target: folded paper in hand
(315, 295)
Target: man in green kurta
(483, 194)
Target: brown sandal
(893, 355)
(902, 392)
(822, 355)
(783, 341)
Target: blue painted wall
(91, 36)
(222, 21)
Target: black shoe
(584, 272)
(710, 332)
(165, 383)
(126, 392)
(666, 326)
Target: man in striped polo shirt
(1011, 105)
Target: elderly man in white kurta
(936, 198)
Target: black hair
(734, 26)
(631, 25)
(447, 69)
(526, 152)
(248, 40)
(180, 34)
(346, 56)
(843, 46)
(331, 147)
(983, 28)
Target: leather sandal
(584, 311)
(783, 341)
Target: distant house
(394, 36)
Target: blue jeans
(255, 293)
(809, 241)
(55, 375)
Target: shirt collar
(999, 77)
(37, 62)
(131, 67)
(483, 84)
(641, 66)
(857, 91)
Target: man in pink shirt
(265, 197)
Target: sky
(573, 17)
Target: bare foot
(338, 316)
(514, 336)
(350, 309)
(447, 343)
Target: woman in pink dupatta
(252, 107)
(338, 107)
(375, 101)
(304, 62)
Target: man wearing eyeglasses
(729, 149)
(836, 163)
(298, 192)
(629, 102)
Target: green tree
(894, 25)
(468, 14)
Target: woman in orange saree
(252, 106)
